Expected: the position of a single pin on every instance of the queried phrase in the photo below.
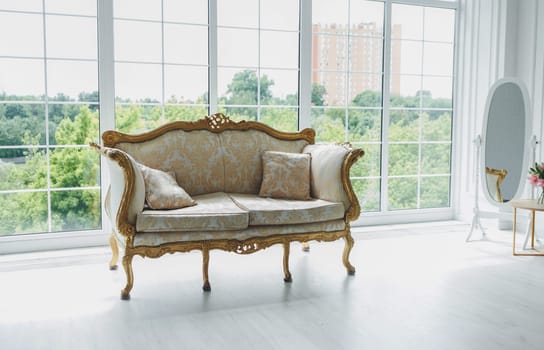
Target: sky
(71, 44)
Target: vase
(540, 199)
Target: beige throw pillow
(286, 175)
(162, 191)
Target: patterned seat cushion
(272, 211)
(157, 238)
(213, 212)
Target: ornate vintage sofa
(219, 165)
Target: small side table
(533, 207)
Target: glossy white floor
(416, 287)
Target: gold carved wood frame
(216, 123)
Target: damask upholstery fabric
(271, 211)
(242, 152)
(162, 190)
(286, 175)
(326, 172)
(214, 211)
(194, 156)
(156, 239)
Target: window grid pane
(161, 69)
(50, 178)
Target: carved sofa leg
(205, 262)
(306, 246)
(127, 265)
(286, 272)
(345, 257)
(114, 252)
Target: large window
(382, 77)
(376, 73)
(49, 178)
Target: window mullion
(163, 78)
(305, 65)
(212, 57)
(384, 201)
(106, 86)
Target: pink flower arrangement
(536, 175)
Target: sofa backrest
(242, 151)
(213, 154)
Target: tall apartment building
(358, 49)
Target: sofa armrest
(330, 180)
(126, 194)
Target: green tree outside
(74, 171)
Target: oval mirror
(505, 135)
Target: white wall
(496, 38)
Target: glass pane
(75, 79)
(194, 11)
(439, 92)
(29, 38)
(435, 192)
(279, 49)
(410, 56)
(239, 113)
(402, 193)
(284, 119)
(71, 124)
(18, 5)
(22, 79)
(279, 87)
(407, 22)
(135, 119)
(318, 94)
(238, 87)
(439, 24)
(138, 41)
(138, 82)
(21, 124)
(71, 37)
(326, 12)
(435, 158)
(237, 47)
(365, 90)
(23, 213)
(369, 165)
(366, 55)
(403, 125)
(172, 113)
(364, 125)
(75, 210)
(74, 167)
(329, 124)
(366, 18)
(436, 126)
(238, 13)
(142, 9)
(408, 86)
(183, 84)
(279, 14)
(438, 59)
(23, 169)
(179, 37)
(403, 159)
(330, 52)
(368, 193)
(80, 7)
(333, 89)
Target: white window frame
(45, 241)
